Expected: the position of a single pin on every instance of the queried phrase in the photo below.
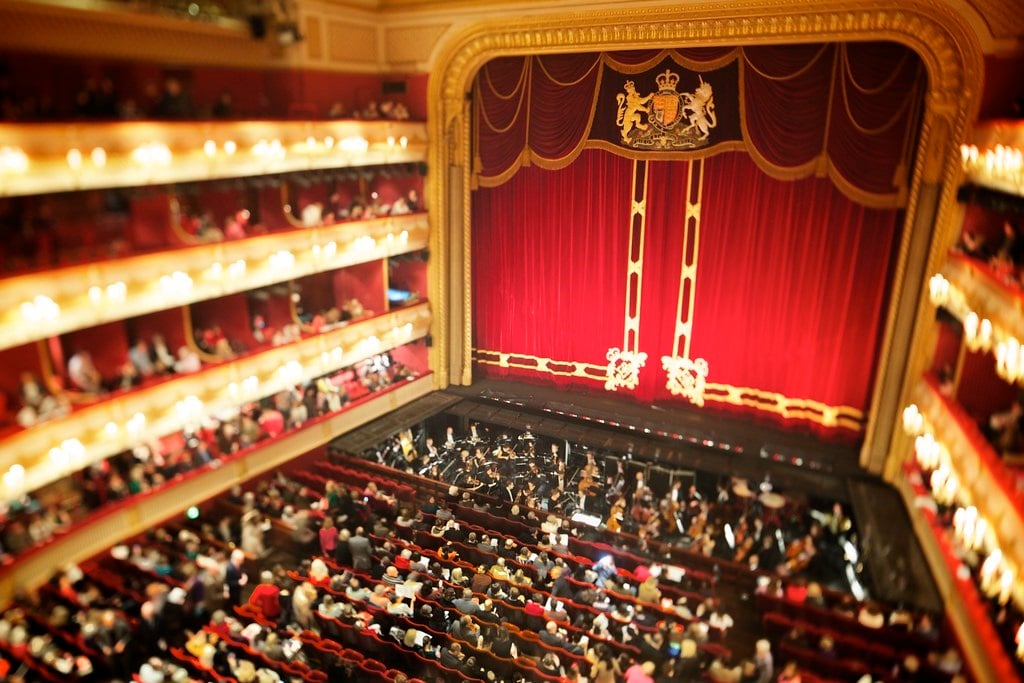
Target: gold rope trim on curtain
(871, 91)
(853, 120)
(796, 74)
(519, 109)
(786, 407)
(691, 64)
(547, 163)
(566, 84)
(778, 172)
(518, 86)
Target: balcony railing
(994, 157)
(62, 157)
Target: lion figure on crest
(631, 105)
(701, 104)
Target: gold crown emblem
(667, 80)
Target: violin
(799, 554)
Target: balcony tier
(122, 521)
(988, 483)
(91, 294)
(986, 294)
(994, 157)
(123, 421)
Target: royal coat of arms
(666, 119)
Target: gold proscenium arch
(944, 41)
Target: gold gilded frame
(942, 38)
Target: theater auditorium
(430, 340)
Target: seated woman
(83, 373)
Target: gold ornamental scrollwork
(686, 377)
(624, 369)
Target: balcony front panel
(986, 294)
(63, 157)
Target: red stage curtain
(791, 286)
(549, 261)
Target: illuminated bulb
(13, 160)
(404, 236)
(117, 292)
(403, 141)
(96, 295)
(236, 269)
(74, 450)
(136, 424)
(99, 157)
(14, 477)
(250, 384)
(215, 271)
(58, 457)
(330, 249)
(971, 322)
(938, 289)
(329, 142)
(110, 430)
(311, 142)
(913, 420)
(40, 309)
(282, 260)
(230, 147)
(354, 143)
(210, 147)
(985, 332)
(391, 141)
(74, 159)
(176, 284)
(152, 154)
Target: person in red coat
(266, 597)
